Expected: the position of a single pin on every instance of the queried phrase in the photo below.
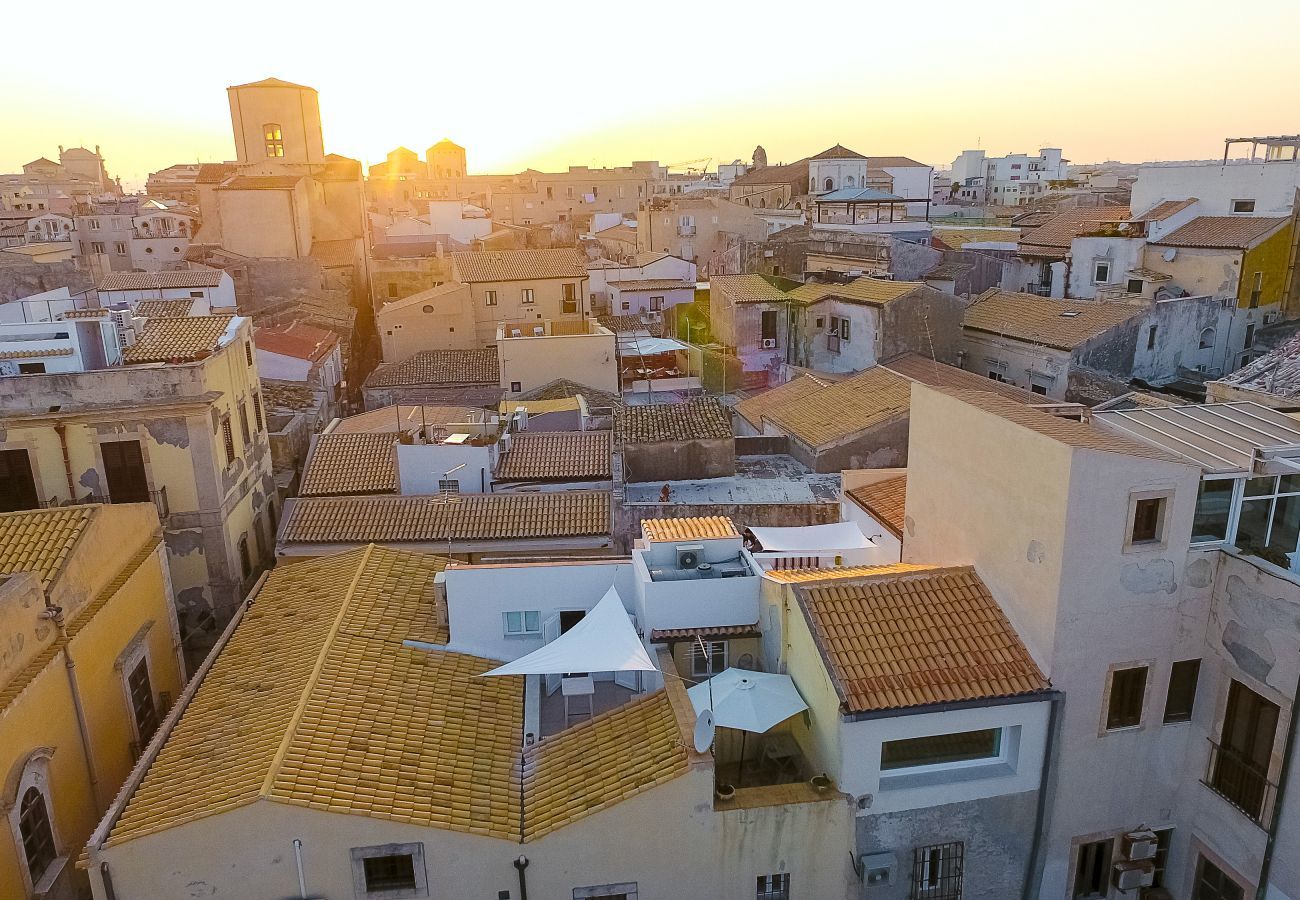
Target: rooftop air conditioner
(769, 343)
(688, 555)
(1140, 844)
(1131, 875)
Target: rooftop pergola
(1277, 147)
(850, 199)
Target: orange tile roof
(699, 418)
(1060, 324)
(1164, 210)
(870, 398)
(936, 374)
(1222, 232)
(439, 367)
(147, 281)
(691, 528)
(754, 408)
(747, 289)
(40, 541)
(342, 464)
(518, 265)
(556, 456)
(164, 309)
(1058, 231)
(833, 573)
(871, 291)
(181, 339)
(885, 500)
(916, 638)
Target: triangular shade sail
(604, 641)
(749, 701)
(808, 538)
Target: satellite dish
(704, 732)
(1170, 254)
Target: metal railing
(686, 230)
(1241, 782)
(158, 498)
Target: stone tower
(760, 157)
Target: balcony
(1242, 783)
(686, 231)
(158, 498)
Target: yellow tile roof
(754, 408)
(469, 517)
(748, 289)
(518, 265)
(914, 638)
(692, 528)
(36, 354)
(803, 576)
(1060, 324)
(163, 309)
(181, 339)
(873, 291)
(845, 408)
(340, 464)
(556, 456)
(40, 541)
(600, 763)
(885, 500)
(289, 674)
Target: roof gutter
(148, 757)
(1041, 696)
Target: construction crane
(690, 167)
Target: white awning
(604, 641)
(647, 346)
(749, 701)
(809, 538)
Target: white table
(579, 686)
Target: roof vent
(1070, 314)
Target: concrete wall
(295, 109)
(678, 460)
(881, 447)
(446, 322)
(854, 355)
(628, 516)
(925, 321)
(1021, 364)
(530, 362)
(1271, 185)
(510, 309)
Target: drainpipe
(1262, 890)
(521, 863)
(1033, 869)
(302, 876)
(62, 431)
(55, 614)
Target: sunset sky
(550, 85)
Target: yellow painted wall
(819, 734)
(406, 329)
(1270, 258)
(589, 359)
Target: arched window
(812, 184)
(37, 836)
(848, 181)
(274, 139)
(830, 184)
(747, 201)
(763, 203)
(1207, 339)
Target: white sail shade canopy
(604, 641)
(748, 701)
(811, 538)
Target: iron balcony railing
(1242, 782)
(686, 230)
(158, 498)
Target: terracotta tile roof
(593, 766)
(699, 418)
(686, 634)
(342, 464)
(92, 313)
(1164, 210)
(180, 339)
(653, 284)
(947, 272)
(619, 232)
(440, 367)
(288, 711)
(630, 324)
(36, 354)
(214, 173)
(885, 500)
(846, 408)
(261, 183)
(1221, 232)
(806, 576)
(839, 152)
(937, 374)
(691, 528)
(909, 639)
(392, 419)
(747, 289)
(752, 409)
(563, 388)
(1061, 324)
(892, 162)
(795, 173)
(871, 291)
(1058, 231)
(469, 517)
(40, 541)
(956, 238)
(299, 341)
(1072, 433)
(518, 265)
(145, 281)
(556, 456)
(163, 309)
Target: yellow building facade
(91, 663)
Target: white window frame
(1097, 266)
(135, 652)
(1242, 212)
(1162, 523)
(528, 297)
(524, 630)
(699, 662)
(489, 298)
(1003, 756)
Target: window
(31, 368)
(1270, 515)
(769, 325)
(1100, 272)
(1036, 388)
(1207, 339)
(1148, 520)
(773, 887)
(550, 192)
(1243, 206)
(142, 703)
(568, 193)
(448, 486)
(124, 472)
(489, 298)
(1161, 860)
(1183, 676)
(96, 246)
(248, 352)
(937, 870)
(197, 295)
(1127, 690)
(708, 660)
(37, 835)
(625, 891)
(1240, 763)
(1212, 883)
(528, 297)
(516, 387)
(228, 439)
(522, 622)
(243, 424)
(626, 305)
(119, 248)
(1151, 338)
(392, 289)
(1134, 286)
(1256, 290)
(1213, 506)
(245, 561)
(998, 376)
(844, 330)
(656, 304)
(942, 749)
(830, 184)
(389, 871)
(274, 139)
(94, 224)
(1091, 870)
(570, 298)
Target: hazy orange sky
(550, 85)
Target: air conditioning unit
(1133, 875)
(689, 555)
(769, 343)
(1139, 845)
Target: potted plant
(821, 783)
(725, 791)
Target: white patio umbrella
(747, 701)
